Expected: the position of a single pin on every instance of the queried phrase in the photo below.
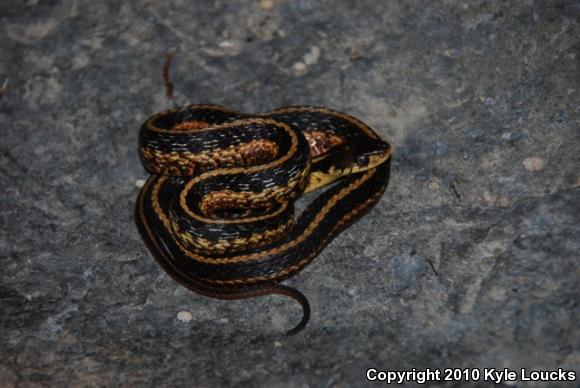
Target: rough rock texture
(470, 260)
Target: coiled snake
(217, 212)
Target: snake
(217, 210)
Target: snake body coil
(217, 212)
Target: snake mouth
(347, 159)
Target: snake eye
(362, 160)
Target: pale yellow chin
(319, 179)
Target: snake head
(351, 158)
(346, 159)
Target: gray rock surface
(471, 259)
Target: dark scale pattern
(205, 140)
(221, 231)
(215, 191)
(322, 121)
(320, 237)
